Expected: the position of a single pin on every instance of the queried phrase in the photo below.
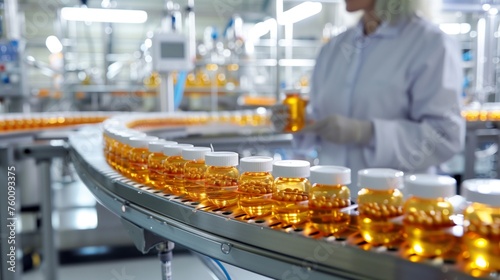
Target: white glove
(342, 130)
(279, 117)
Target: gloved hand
(342, 130)
(279, 117)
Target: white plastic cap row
(420, 185)
(195, 153)
(221, 159)
(292, 169)
(125, 135)
(330, 175)
(430, 186)
(256, 164)
(141, 142)
(380, 179)
(175, 150)
(157, 146)
(485, 191)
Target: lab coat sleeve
(434, 130)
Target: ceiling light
(455, 28)
(262, 28)
(104, 15)
(53, 44)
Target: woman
(385, 93)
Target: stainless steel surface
(41, 150)
(43, 154)
(12, 22)
(50, 254)
(143, 239)
(477, 133)
(167, 93)
(262, 246)
(165, 256)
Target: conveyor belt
(261, 245)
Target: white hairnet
(393, 10)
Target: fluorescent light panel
(53, 44)
(455, 28)
(104, 15)
(300, 12)
(262, 28)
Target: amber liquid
(174, 175)
(325, 205)
(471, 116)
(106, 148)
(221, 184)
(115, 156)
(290, 197)
(297, 111)
(156, 170)
(138, 165)
(494, 115)
(123, 167)
(427, 226)
(255, 205)
(255, 190)
(194, 176)
(110, 151)
(3, 125)
(482, 239)
(376, 208)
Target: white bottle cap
(195, 153)
(430, 186)
(108, 130)
(330, 175)
(123, 136)
(221, 159)
(141, 142)
(157, 146)
(486, 191)
(175, 150)
(256, 164)
(291, 169)
(111, 132)
(380, 179)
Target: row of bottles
(18, 121)
(425, 219)
(258, 117)
(486, 112)
(213, 75)
(294, 193)
(203, 78)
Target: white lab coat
(404, 78)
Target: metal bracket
(143, 240)
(45, 150)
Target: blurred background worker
(385, 93)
